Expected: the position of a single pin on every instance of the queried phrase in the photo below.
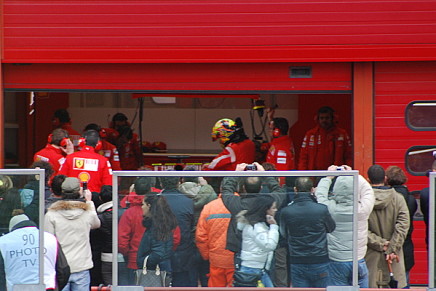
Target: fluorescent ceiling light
(164, 100)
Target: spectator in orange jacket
(326, 144)
(211, 238)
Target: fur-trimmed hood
(70, 209)
(190, 189)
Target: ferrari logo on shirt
(85, 164)
(78, 163)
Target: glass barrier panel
(287, 223)
(429, 200)
(20, 239)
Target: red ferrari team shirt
(88, 166)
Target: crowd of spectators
(205, 238)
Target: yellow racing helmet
(223, 129)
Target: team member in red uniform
(281, 149)
(87, 165)
(61, 119)
(325, 145)
(127, 143)
(57, 148)
(237, 147)
(107, 149)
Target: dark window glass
(420, 115)
(419, 159)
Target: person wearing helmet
(238, 148)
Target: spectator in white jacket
(340, 241)
(260, 235)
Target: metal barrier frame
(431, 233)
(116, 174)
(41, 173)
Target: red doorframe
(363, 132)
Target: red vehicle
(373, 61)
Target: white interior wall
(188, 129)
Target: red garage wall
(95, 31)
(396, 85)
(224, 78)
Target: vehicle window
(420, 115)
(419, 159)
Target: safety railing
(28, 184)
(120, 175)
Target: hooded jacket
(200, 194)
(130, 231)
(340, 206)
(389, 221)
(71, 221)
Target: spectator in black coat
(101, 240)
(184, 272)
(424, 202)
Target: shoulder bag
(150, 278)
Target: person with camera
(340, 241)
(71, 220)
(248, 189)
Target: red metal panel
(177, 77)
(398, 84)
(218, 31)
